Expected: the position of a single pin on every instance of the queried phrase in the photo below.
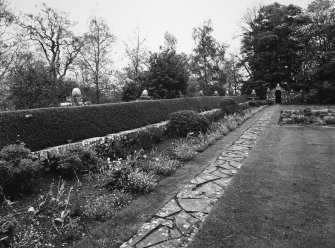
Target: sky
(155, 17)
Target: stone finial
(216, 93)
(145, 93)
(253, 92)
(76, 92)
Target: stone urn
(76, 96)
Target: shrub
(329, 119)
(18, 169)
(140, 182)
(8, 224)
(187, 121)
(229, 106)
(307, 111)
(253, 104)
(183, 150)
(231, 123)
(160, 165)
(77, 160)
(100, 207)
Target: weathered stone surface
(203, 177)
(186, 223)
(168, 244)
(196, 205)
(221, 174)
(144, 230)
(226, 166)
(189, 191)
(235, 164)
(174, 234)
(161, 234)
(170, 208)
(211, 190)
(224, 182)
(199, 216)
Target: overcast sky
(155, 17)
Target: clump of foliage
(105, 206)
(253, 104)
(160, 165)
(308, 116)
(229, 106)
(187, 121)
(76, 161)
(126, 174)
(18, 169)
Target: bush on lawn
(187, 121)
(18, 169)
(229, 107)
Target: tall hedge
(42, 128)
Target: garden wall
(42, 128)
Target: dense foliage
(42, 128)
(18, 170)
(183, 122)
(292, 47)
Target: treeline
(291, 46)
(42, 59)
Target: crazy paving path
(178, 221)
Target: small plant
(183, 150)
(253, 104)
(329, 120)
(100, 207)
(160, 165)
(141, 182)
(7, 229)
(231, 123)
(78, 160)
(229, 106)
(18, 169)
(187, 121)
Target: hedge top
(47, 127)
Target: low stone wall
(158, 128)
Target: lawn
(283, 196)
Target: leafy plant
(140, 182)
(329, 119)
(18, 169)
(229, 106)
(184, 150)
(78, 160)
(187, 121)
(160, 165)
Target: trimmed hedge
(42, 128)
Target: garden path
(177, 222)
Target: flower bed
(62, 212)
(308, 116)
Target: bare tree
(137, 55)
(8, 44)
(50, 31)
(96, 54)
